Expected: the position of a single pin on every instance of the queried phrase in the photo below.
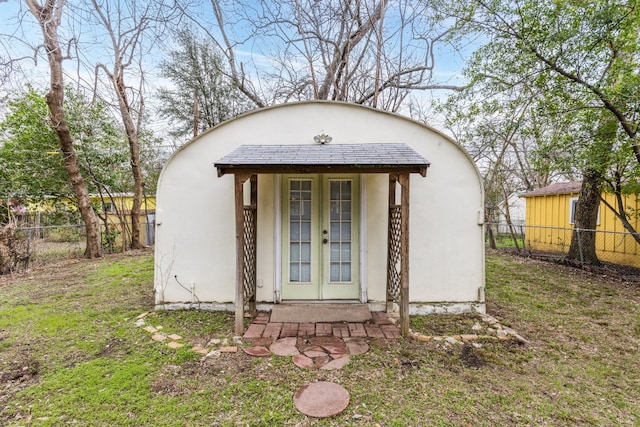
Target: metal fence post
(580, 247)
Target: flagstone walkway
(262, 329)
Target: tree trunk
(583, 239)
(491, 236)
(507, 217)
(137, 193)
(137, 197)
(134, 156)
(48, 17)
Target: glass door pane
(300, 205)
(340, 225)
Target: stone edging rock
(214, 347)
(495, 330)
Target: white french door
(320, 237)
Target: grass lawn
(71, 354)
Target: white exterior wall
(517, 212)
(195, 234)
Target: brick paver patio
(379, 327)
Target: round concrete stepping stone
(320, 361)
(334, 345)
(322, 399)
(338, 355)
(285, 347)
(305, 348)
(314, 353)
(336, 363)
(337, 349)
(357, 346)
(257, 351)
(302, 361)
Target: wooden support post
(239, 214)
(392, 201)
(254, 205)
(404, 179)
(254, 191)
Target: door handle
(325, 239)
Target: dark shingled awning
(337, 158)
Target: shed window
(573, 207)
(108, 207)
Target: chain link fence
(42, 245)
(36, 246)
(23, 247)
(611, 246)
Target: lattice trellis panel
(250, 226)
(393, 257)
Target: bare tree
(505, 135)
(48, 15)
(132, 27)
(371, 52)
(508, 138)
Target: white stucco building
(324, 174)
(516, 206)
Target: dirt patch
(180, 380)
(113, 348)
(16, 376)
(170, 382)
(470, 357)
(63, 269)
(620, 272)
(19, 371)
(59, 272)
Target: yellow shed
(117, 208)
(550, 213)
